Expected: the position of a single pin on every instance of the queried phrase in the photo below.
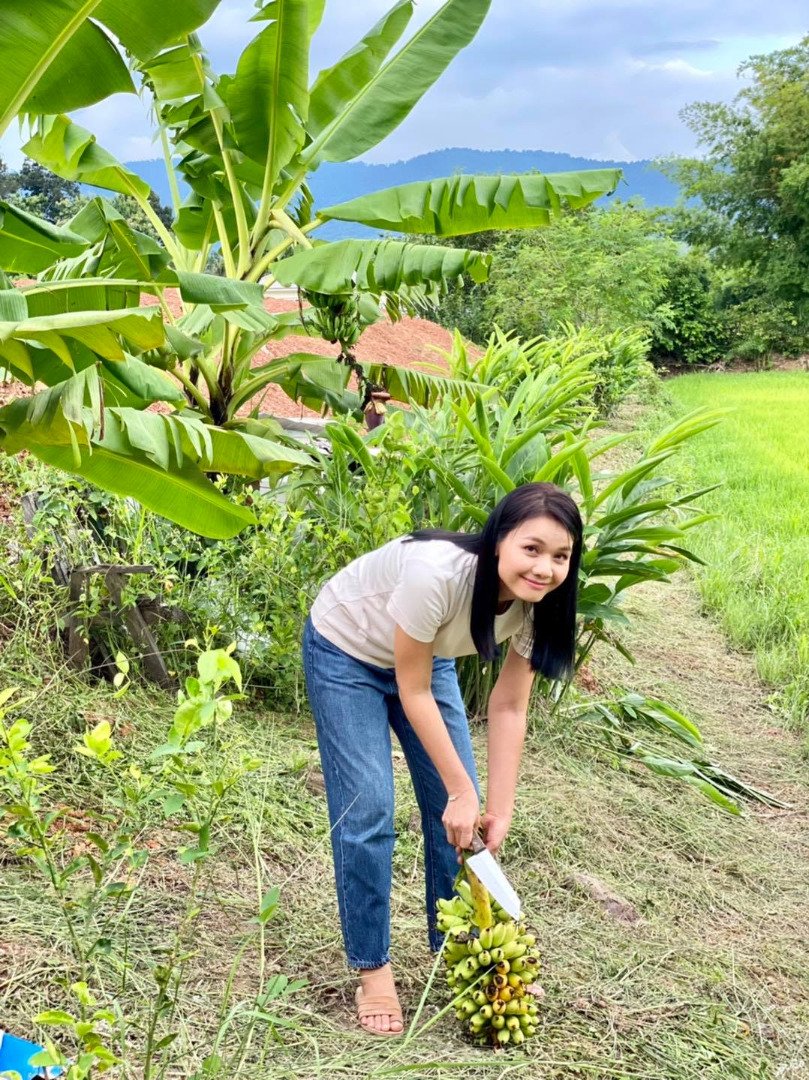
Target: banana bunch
(489, 970)
(336, 317)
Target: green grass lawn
(757, 551)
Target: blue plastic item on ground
(15, 1055)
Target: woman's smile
(533, 559)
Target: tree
(137, 219)
(753, 181)
(596, 267)
(689, 326)
(245, 145)
(7, 180)
(45, 194)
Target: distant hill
(336, 183)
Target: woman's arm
(414, 669)
(508, 708)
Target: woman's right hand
(461, 818)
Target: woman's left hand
(494, 829)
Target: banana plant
(243, 146)
(540, 425)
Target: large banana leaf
(219, 293)
(54, 59)
(142, 327)
(386, 99)
(315, 381)
(418, 387)
(378, 266)
(269, 97)
(117, 251)
(73, 153)
(159, 460)
(131, 382)
(41, 44)
(28, 244)
(172, 441)
(66, 415)
(102, 332)
(467, 204)
(86, 294)
(335, 87)
(184, 496)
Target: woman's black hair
(555, 615)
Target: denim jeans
(355, 705)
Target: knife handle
(477, 844)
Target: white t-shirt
(424, 586)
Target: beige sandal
(379, 1005)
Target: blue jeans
(355, 705)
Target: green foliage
(751, 181)
(625, 723)
(689, 328)
(41, 192)
(259, 593)
(244, 145)
(186, 784)
(761, 326)
(615, 364)
(600, 267)
(619, 363)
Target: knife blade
(486, 867)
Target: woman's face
(533, 559)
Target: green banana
(510, 933)
(513, 950)
(488, 969)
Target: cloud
(671, 67)
(595, 78)
(654, 47)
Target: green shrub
(688, 327)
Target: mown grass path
(757, 580)
(711, 983)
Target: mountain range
(333, 183)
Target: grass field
(709, 984)
(757, 551)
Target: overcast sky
(588, 77)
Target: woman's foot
(378, 1006)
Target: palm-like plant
(244, 144)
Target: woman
(379, 653)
